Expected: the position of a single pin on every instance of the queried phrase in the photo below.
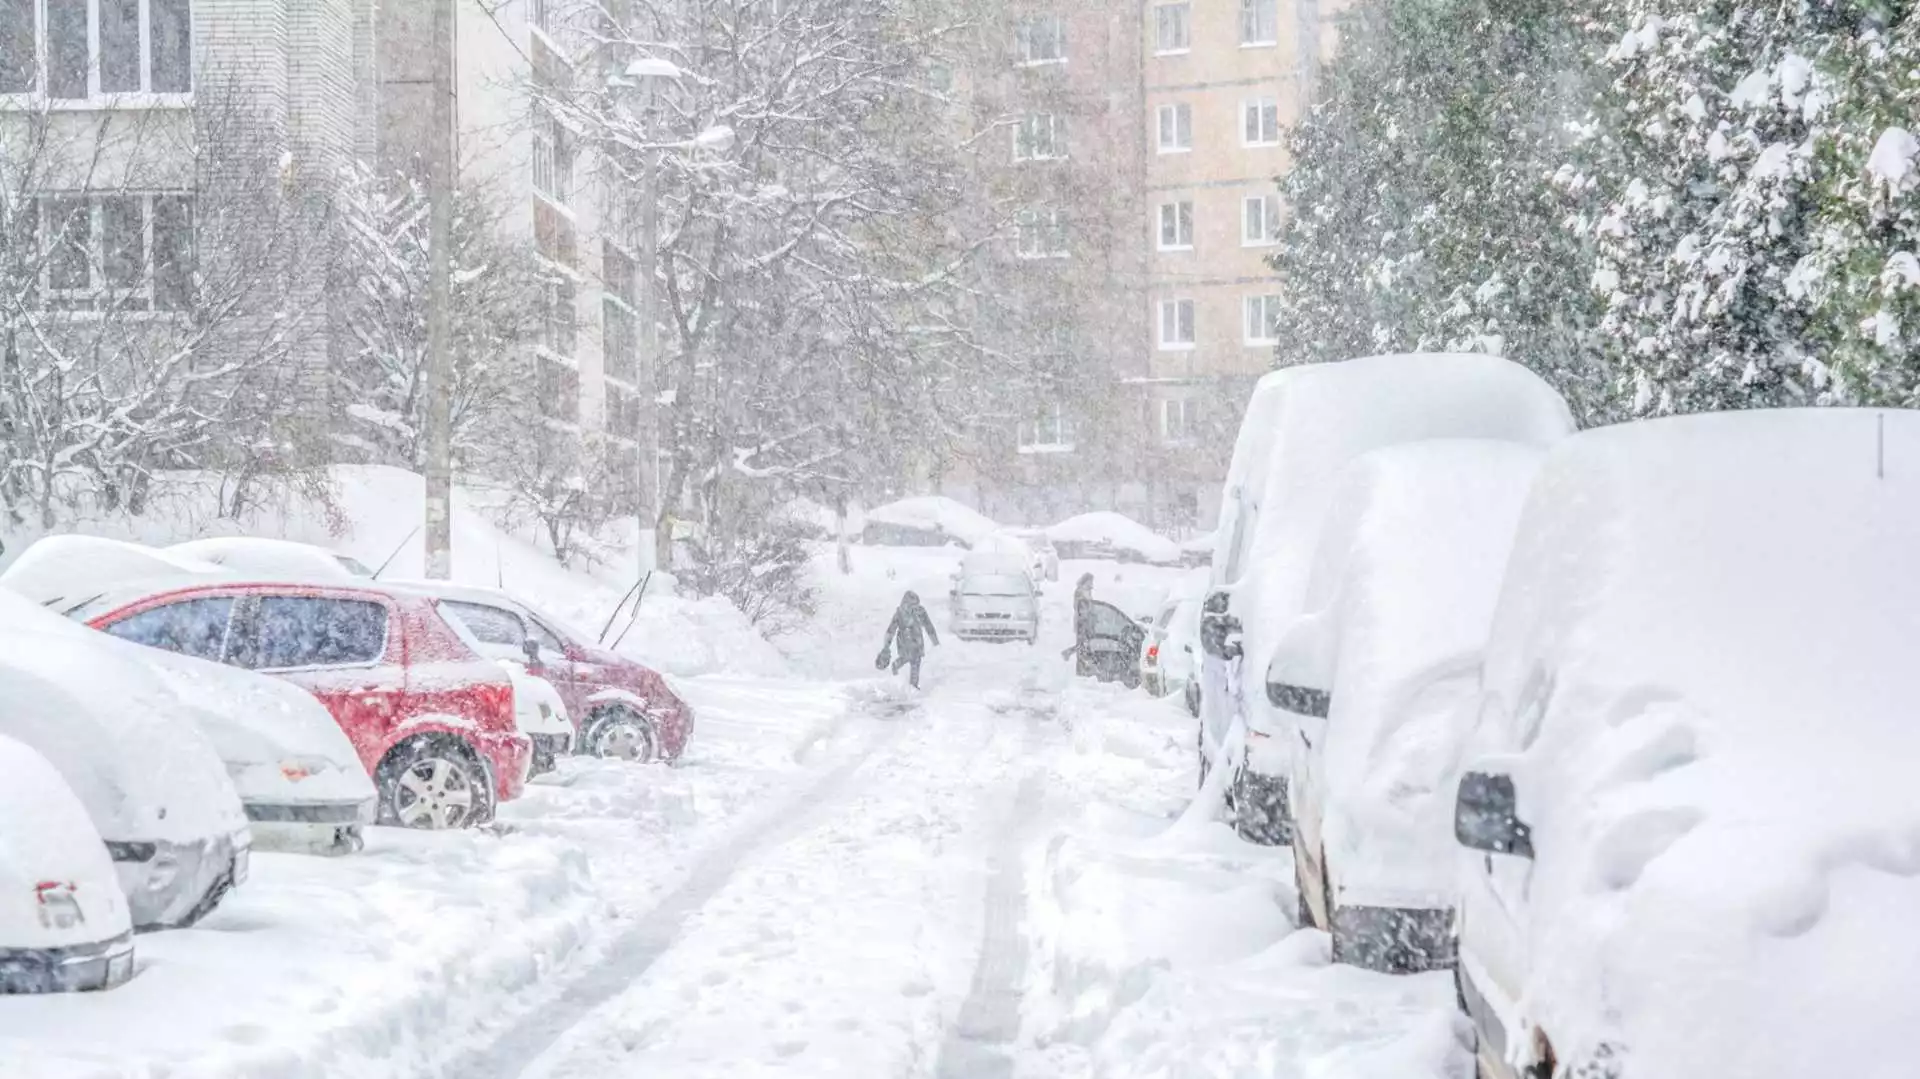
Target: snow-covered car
(925, 521)
(64, 924)
(993, 599)
(272, 559)
(1043, 559)
(541, 714)
(1115, 536)
(1169, 656)
(1688, 805)
(1372, 677)
(152, 784)
(620, 707)
(298, 776)
(1302, 426)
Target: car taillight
(1153, 652)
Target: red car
(432, 720)
(621, 708)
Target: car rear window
(192, 627)
(490, 625)
(313, 631)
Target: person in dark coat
(904, 636)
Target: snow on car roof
(1326, 415)
(46, 835)
(1405, 577)
(113, 728)
(1705, 650)
(1116, 530)
(962, 522)
(269, 557)
(61, 571)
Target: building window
(620, 213)
(1260, 220)
(1048, 432)
(1259, 22)
(1176, 226)
(620, 320)
(1172, 28)
(116, 253)
(1260, 122)
(552, 158)
(1040, 137)
(71, 50)
(1041, 233)
(1176, 324)
(623, 414)
(1179, 420)
(1263, 320)
(558, 388)
(559, 328)
(1042, 40)
(1176, 128)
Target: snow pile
(1402, 594)
(1108, 534)
(1705, 647)
(1162, 950)
(929, 520)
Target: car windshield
(1007, 585)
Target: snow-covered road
(986, 880)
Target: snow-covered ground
(991, 878)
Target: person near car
(1082, 615)
(905, 636)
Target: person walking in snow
(904, 637)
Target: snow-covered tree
(379, 280)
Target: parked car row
(1614, 723)
(198, 710)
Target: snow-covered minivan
(1372, 676)
(1302, 426)
(152, 784)
(64, 925)
(1688, 809)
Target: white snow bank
(933, 514)
(1118, 532)
(1704, 655)
(1401, 599)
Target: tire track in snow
(989, 1021)
(510, 1053)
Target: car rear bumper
(547, 751)
(510, 757)
(170, 884)
(72, 969)
(324, 828)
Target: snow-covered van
(1688, 809)
(152, 784)
(1302, 426)
(994, 599)
(64, 925)
(1372, 675)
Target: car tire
(1259, 817)
(620, 733)
(433, 783)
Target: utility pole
(439, 419)
(652, 504)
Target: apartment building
(1223, 81)
(551, 194)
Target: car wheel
(1259, 812)
(434, 783)
(1131, 679)
(622, 734)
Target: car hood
(280, 745)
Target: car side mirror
(532, 648)
(1486, 816)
